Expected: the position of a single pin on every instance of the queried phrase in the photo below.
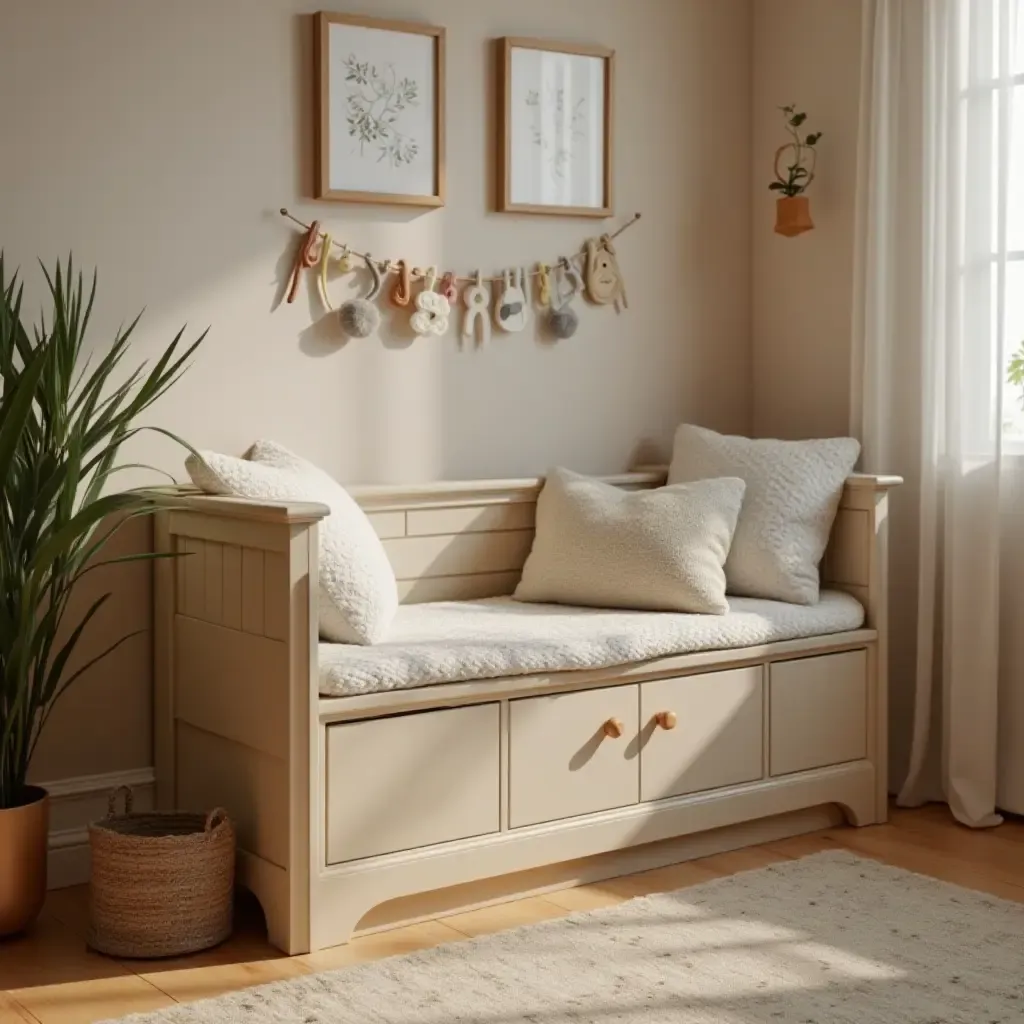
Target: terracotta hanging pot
(23, 836)
(793, 215)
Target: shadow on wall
(179, 217)
(103, 720)
(184, 175)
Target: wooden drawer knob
(613, 728)
(666, 719)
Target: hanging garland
(557, 286)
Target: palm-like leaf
(61, 429)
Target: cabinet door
(411, 780)
(715, 734)
(564, 758)
(819, 709)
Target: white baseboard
(76, 802)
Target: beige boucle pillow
(793, 491)
(661, 550)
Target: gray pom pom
(359, 318)
(563, 322)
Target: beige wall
(805, 52)
(808, 52)
(157, 141)
(101, 724)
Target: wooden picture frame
(367, 153)
(537, 148)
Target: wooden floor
(49, 977)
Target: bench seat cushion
(454, 641)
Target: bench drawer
(561, 761)
(818, 711)
(411, 780)
(717, 738)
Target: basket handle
(112, 801)
(215, 818)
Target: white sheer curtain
(938, 312)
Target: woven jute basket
(162, 883)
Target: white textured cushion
(358, 593)
(599, 546)
(793, 491)
(451, 641)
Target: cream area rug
(829, 939)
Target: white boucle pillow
(358, 592)
(662, 550)
(793, 491)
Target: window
(994, 208)
(1013, 398)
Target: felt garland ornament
(401, 294)
(305, 257)
(359, 318)
(543, 284)
(511, 311)
(345, 264)
(432, 309)
(325, 259)
(562, 320)
(604, 279)
(450, 287)
(477, 300)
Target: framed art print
(555, 128)
(380, 123)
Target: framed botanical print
(555, 128)
(380, 123)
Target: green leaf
(56, 667)
(797, 119)
(17, 408)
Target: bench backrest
(464, 540)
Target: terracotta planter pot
(793, 215)
(23, 838)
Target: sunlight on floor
(733, 960)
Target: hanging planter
(792, 215)
(793, 208)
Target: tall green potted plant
(62, 424)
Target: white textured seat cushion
(793, 491)
(452, 641)
(358, 592)
(603, 547)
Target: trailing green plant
(1015, 371)
(62, 425)
(801, 170)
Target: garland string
(392, 266)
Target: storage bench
(360, 776)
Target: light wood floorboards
(49, 977)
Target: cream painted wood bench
(348, 803)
